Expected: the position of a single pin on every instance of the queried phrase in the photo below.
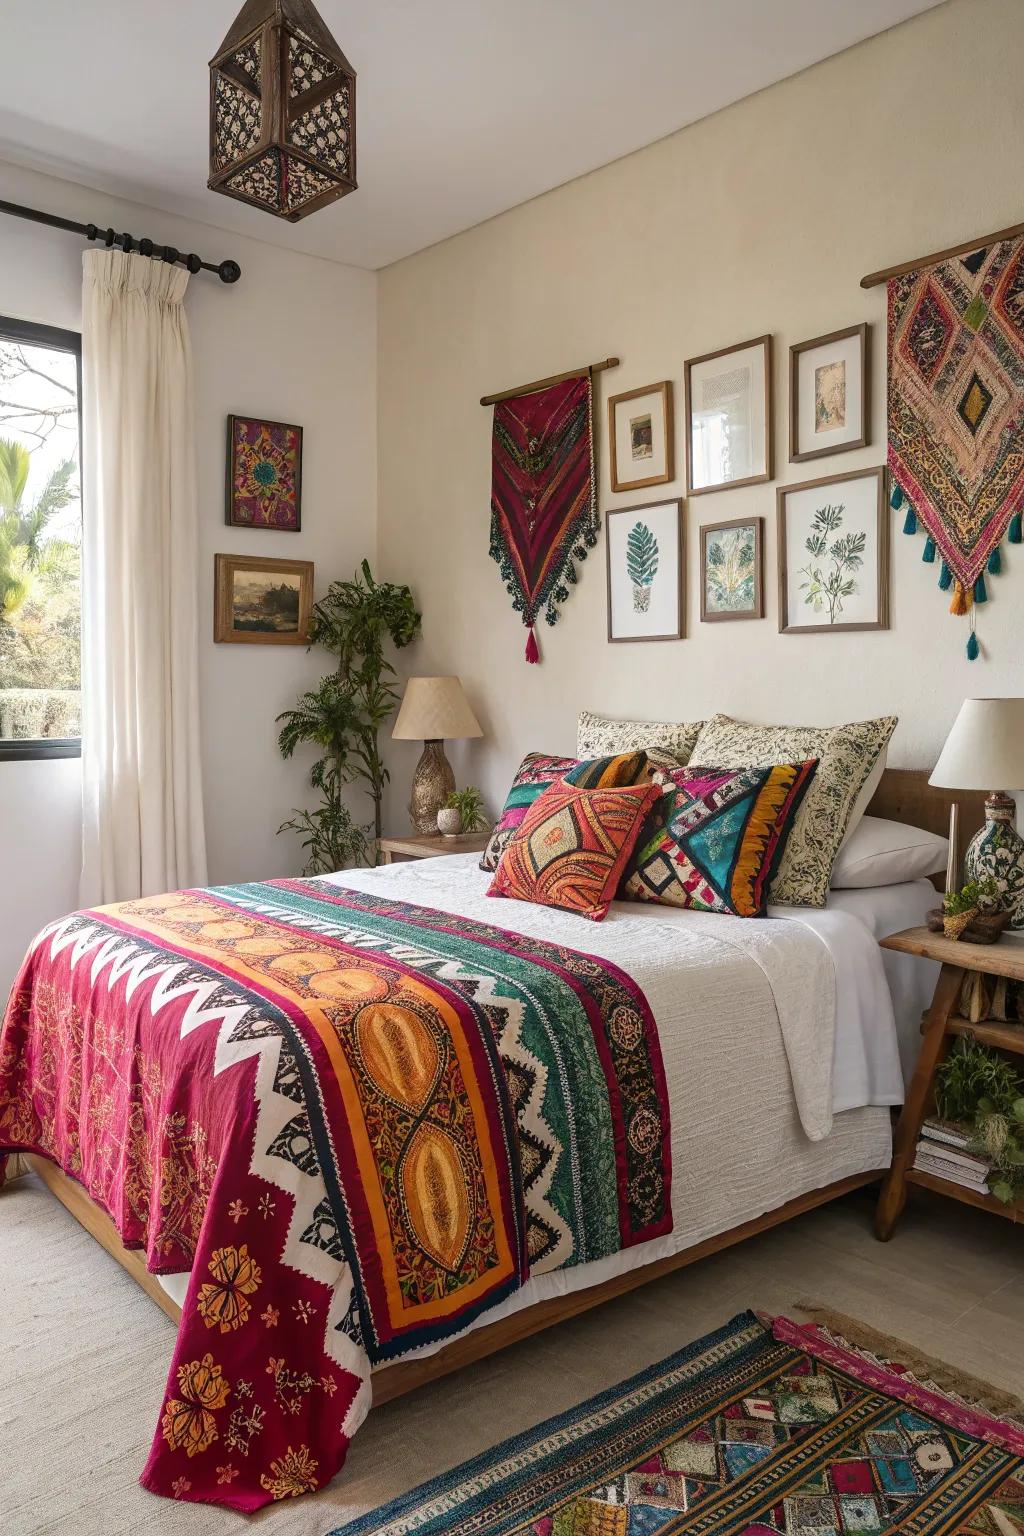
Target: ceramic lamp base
(432, 783)
(997, 853)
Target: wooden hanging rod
(874, 278)
(556, 378)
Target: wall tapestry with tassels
(543, 496)
(956, 414)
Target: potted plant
(960, 908)
(461, 812)
(344, 714)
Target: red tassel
(532, 651)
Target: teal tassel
(980, 595)
(972, 647)
(928, 554)
(995, 562)
(945, 577)
(1015, 535)
(896, 499)
(910, 521)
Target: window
(40, 541)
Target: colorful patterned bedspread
(359, 1123)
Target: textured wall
(762, 218)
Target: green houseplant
(344, 714)
(980, 1088)
(469, 803)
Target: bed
(769, 1063)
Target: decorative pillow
(846, 755)
(537, 771)
(715, 838)
(573, 846)
(881, 852)
(596, 736)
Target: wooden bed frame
(903, 795)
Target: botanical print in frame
(262, 602)
(264, 474)
(828, 394)
(833, 538)
(641, 434)
(732, 570)
(644, 551)
(729, 417)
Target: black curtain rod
(227, 271)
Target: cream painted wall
(295, 340)
(762, 218)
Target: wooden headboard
(904, 794)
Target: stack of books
(943, 1151)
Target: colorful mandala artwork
(956, 412)
(264, 474)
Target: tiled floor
(84, 1354)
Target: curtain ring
(146, 247)
(109, 238)
(171, 254)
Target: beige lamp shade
(435, 709)
(985, 748)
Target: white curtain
(142, 791)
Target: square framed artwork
(641, 434)
(261, 601)
(829, 394)
(264, 474)
(729, 417)
(645, 554)
(732, 570)
(833, 538)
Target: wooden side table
(399, 850)
(942, 1023)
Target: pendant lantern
(282, 111)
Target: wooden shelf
(1003, 1037)
(967, 1196)
(1005, 958)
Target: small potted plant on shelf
(960, 908)
(462, 812)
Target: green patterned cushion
(537, 770)
(847, 756)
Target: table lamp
(433, 708)
(986, 747)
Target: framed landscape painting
(732, 570)
(262, 602)
(640, 430)
(729, 417)
(828, 394)
(834, 554)
(264, 474)
(644, 550)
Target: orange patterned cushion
(573, 845)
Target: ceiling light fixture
(282, 111)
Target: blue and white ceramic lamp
(984, 748)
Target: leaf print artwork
(830, 573)
(730, 570)
(641, 564)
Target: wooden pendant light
(282, 111)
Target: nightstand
(942, 1023)
(398, 850)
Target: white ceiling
(466, 107)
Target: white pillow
(880, 852)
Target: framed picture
(828, 394)
(262, 602)
(732, 570)
(645, 572)
(264, 474)
(729, 417)
(834, 554)
(640, 430)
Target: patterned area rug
(762, 1428)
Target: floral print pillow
(597, 736)
(847, 756)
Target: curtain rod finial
(229, 271)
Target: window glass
(40, 537)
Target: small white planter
(449, 822)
